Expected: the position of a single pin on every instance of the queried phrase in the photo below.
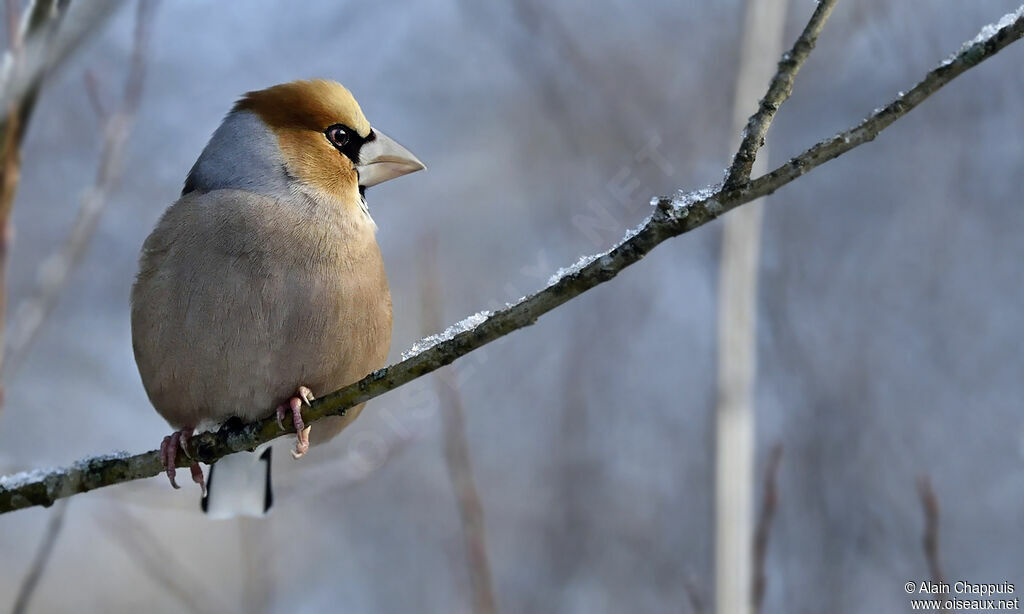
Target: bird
(263, 284)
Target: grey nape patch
(243, 154)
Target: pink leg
(169, 455)
(303, 395)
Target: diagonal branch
(152, 559)
(930, 538)
(778, 92)
(992, 39)
(763, 530)
(42, 53)
(672, 217)
(43, 555)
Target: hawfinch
(263, 284)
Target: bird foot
(169, 454)
(303, 395)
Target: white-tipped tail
(241, 486)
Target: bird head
(309, 135)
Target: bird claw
(184, 440)
(306, 395)
(301, 430)
(197, 476)
(303, 396)
(179, 440)
(303, 443)
(281, 412)
(167, 453)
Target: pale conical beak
(382, 158)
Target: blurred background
(890, 317)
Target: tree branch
(992, 39)
(778, 92)
(672, 217)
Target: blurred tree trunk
(737, 335)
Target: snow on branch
(672, 217)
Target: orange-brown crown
(313, 105)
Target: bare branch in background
(672, 217)
(769, 503)
(92, 90)
(42, 20)
(49, 46)
(523, 49)
(43, 554)
(693, 593)
(544, 50)
(157, 562)
(456, 448)
(256, 560)
(541, 22)
(930, 538)
(576, 472)
(13, 11)
(55, 271)
(334, 474)
(762, 40)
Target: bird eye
(337, 135)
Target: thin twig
(672, 217)
(763, 529)
(156, 561)
(693, 594)
(992, 39)
(522, 44)
(456, 448)
(92, 91)
(55, 271)
(542, 23)
(335, 475)
(779, 90)
(35, 572)
(50, 46)
(13, 8)
(930, 538)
